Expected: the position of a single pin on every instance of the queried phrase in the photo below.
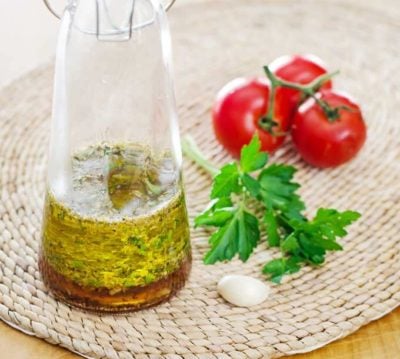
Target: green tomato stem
(274, 84)
(308, 90)
(192, 151)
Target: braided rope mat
(214, 43)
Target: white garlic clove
(243, 291)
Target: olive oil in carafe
(120, 239)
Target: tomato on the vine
(330, 137)
(300, 69)
(239, 112)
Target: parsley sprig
(240, 188)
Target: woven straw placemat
(215, 42)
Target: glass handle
(169, 5)
(50, 8)
(58, 16)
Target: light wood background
(28, 33)
(27, 37)
(378, 340)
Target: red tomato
(237, 113)
(301, 69)
(324, 143)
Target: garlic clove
(243, 291)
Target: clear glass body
(115, 232)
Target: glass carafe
(115, 231)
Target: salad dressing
(120, 240)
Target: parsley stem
(192, 151)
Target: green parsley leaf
(271, 223)
(224, 244)
(251, 184)
(278, 191)
(330, 223)
(310, 250)
(219, 211)
(226, 181)
(320, 234)
(290, 244)
(239, 235)
(310, 241)
(251, 159)
(277, 268)
(249, 234)
(216, 218)
(222, 202)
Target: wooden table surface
(378, 340)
